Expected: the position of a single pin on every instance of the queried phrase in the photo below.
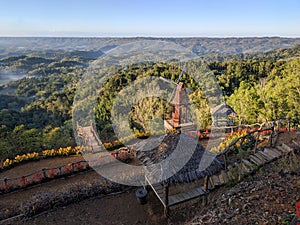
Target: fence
(43, 175)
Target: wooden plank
(261, 156)
(221, 179)
(248, 164)
(288, 148)
(185, 196)
(231, 173)
(216, 180)
(244, 169)
(225, 176)
(281, 149)
(211, 181)
(200, 191)
(174, 199)
(270, 157)
(209, 185)
(274, 153)
(266, 152)
(279, 153)
(255, 160)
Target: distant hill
(199, 45)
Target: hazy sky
(150, 18)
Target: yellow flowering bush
(62, 152)
(45, 154)
(229, 140)
(7, 163)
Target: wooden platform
(182, 197)
(178, 198)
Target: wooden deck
(182, 197)
(178, 198)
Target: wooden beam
(166, 199)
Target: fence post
(225, 160)
(44, 173)
(72, 167)
(166, 199)
(5, 182)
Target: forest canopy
(36, 111)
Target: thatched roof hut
(191, 171)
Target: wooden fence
(43, 175)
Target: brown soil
(280, 192)
(109, 210)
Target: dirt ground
(125, 209)
(109, 210)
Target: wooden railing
(272, 139)
(41, 176)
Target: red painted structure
(179, 118)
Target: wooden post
(205, 189)
(271, 137)
(256, 141)
(166, 199)
(5, 183)
(225, 161)
(44, 173)
(205, 185)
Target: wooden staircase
(233, 172)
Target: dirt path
(109, 210)
(18, 197)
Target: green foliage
(36, 112)
(279, 97)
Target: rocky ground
(267, 197)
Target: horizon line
(139, 36)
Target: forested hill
(201, 46)
(36, 112)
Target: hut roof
(191, 170)
(223, 110)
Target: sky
(157, 18)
